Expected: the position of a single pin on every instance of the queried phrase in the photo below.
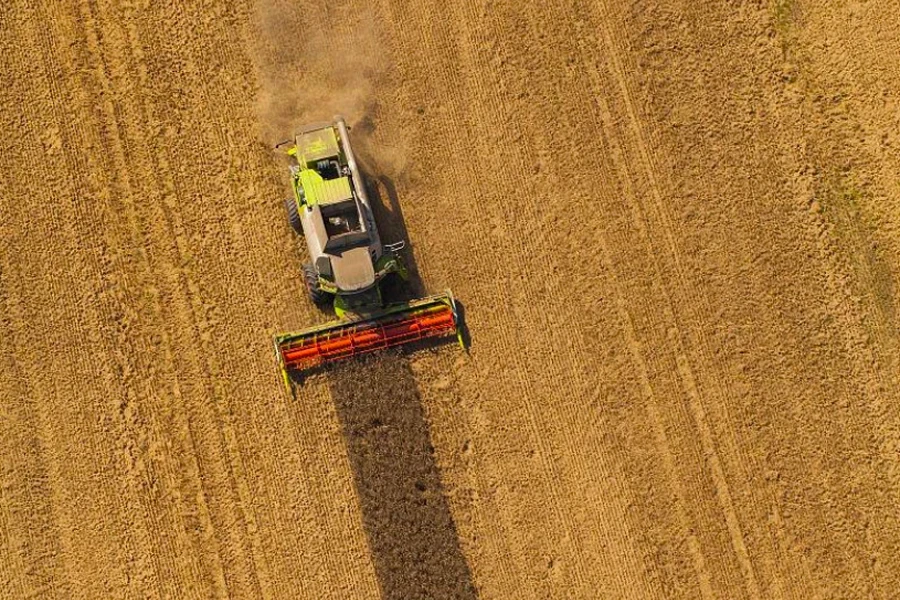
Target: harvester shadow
(412, 536)
(392, 224)
(411, 533)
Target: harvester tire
(311, 280)
(293, 216)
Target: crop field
(673, 227)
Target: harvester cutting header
(348, 261)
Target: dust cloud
(313, 65)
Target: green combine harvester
(348, 262)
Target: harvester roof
(317, 144)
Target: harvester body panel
(334, 211)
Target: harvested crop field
(674, 227)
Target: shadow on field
(392, 226)
(412, 536)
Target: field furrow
(673, 229)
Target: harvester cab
(330, 209)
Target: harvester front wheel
(311, 279)
(293, 216)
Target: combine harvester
(331, 209)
